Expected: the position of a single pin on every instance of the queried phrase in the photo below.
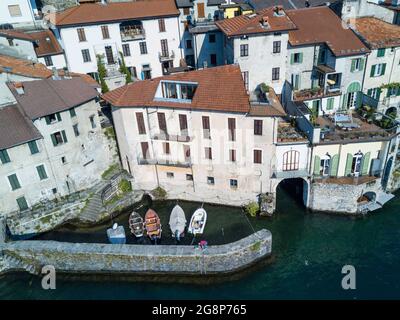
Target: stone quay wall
(139, 259)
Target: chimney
(19, 87)
(264, 21)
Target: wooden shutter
(361, 64)
(162, 124)
(22, 204)
(200, 10)
(166, 148)
(365, 164)
(231, 128)
(58, 115)
(206, 127)
(183, 124)
(353, 65)
(145, 149)
(140, 123)
(257, 156)
(208, 152)
(317, 165)
(349, 162)
(4, 157)
(53, 139)
(383, 69)
(186, 152)
(334, 165)
(300, 57)
(64, 136)
(232, 155)
(292, 58)
(373, 71)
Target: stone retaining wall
(162, 259)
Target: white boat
(116, 234)
(177, 222)
(198, 221)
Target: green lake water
(309, 251)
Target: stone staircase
(94, 208)
(17, 263)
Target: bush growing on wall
(252, 208)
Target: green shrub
(109, 171)
(125, 186)
(159, 193)
(252, 208)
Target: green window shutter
(300, 57)
(33, 147)
(383, 69)
(53, 139)
(362, 64)
(292, 58)
(330, 103)
(64, 136)
(47, 118)
(365, 164)
(373, 70)
(41, 172)
(334, 165)
(381, 52)
(317, 165)
(72, 112)
(388, 93)
(349, 162)
(358, 99)
(14, 182)
(22, 204)
(353, 65)
(58, 115)
(369, 92)
(398, 91)
(378, 95)
(4, 156)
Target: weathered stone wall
(108, 258)
(2, 230)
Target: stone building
(52, 143)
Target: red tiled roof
(319, 25)
(377, 33)
(16, 34)
(219, 89)
(46, 43)
(96, 12)
(250, 24)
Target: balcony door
(109, 55)
(200, 10)
(164, 48)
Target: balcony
(280, 174)
(130, 33)
(315, 93)
(172, 137)
(161, 162)
(166, 55)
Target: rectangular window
(22, 204)
(161, 25)
(257, 156)
(140, 123)
(374, 93)
(378, 70)
(4, 156)
(10, 42)
(232, 155)
(92, 121)
(206, 127)
(105, 33)
(357, 65)
(186, 11)
(143, 47)
(183, 124)
(245, 76)
(126, 50)
(189, 44)
(211, 38)
(86, 55)
(329, 103)
(244, 50)
(164, 48)
(381, 52)
(52, 118)
(296, 81)
(208, 153)
(210, 180)
(162, 124)
(213, 59)
(231, 129)
(145, 150)
(291, 160)
(72, 112)
(13, 179)
(258, 127)
(166, 148)
(109, 54)
(170, 175)
(296, 58)
(233, 183)
(14, 10)
(63, 160)
(81, 34)
(42, 172)
(76, 130)
(59, 138)
(33, 147)
(48, 61)
(275, 73)
(276, 47)
(189, 177)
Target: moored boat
(198, 221)
(116, 234)
(136, 224)
(152, 224)
(177, 222)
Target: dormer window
(176, 90)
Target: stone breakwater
(136, 259)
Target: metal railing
(111, 189)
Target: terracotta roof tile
(219, 88)
(377, 33)
(24, 67)
(89, 13)
(16, 34)
(321, 25)
(251, 24)
(46, 43)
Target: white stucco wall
(25, 19)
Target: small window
(244, 50)
(10, 42)
(54, 190)
(189, 44)
(76, 130)
(232, 155)
(140, 123)
(105, 32)
(213, 59)
(258, 127)
(170, 174)
(233, 183)
(206, 127)
(257, 156)
(14, 10)
(4, 157)
(166, 148)
(86, 55)
(231, 129)
(276, 47)
(22, 204)
(245, 76)
(208, 153)
(161, 25)
(296, 57)
(59, 138)
(92, 121)
(275, 73)
(189, 177)
(211, 38)
(33, 147)
(210, 180)
(186, 11)
(52, 118)
(143, 47)
(126, 50)
(81, 34)
(381, 52)
(63, 160)
(42, 172)
(72, 112)
(14, 183)
(48, 61)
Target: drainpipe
(180, 36)
(152, 146)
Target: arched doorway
(290, 193)
(352, 96)
(391, 112)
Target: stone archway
(292, 189)
(391, 112)
(352, 97)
